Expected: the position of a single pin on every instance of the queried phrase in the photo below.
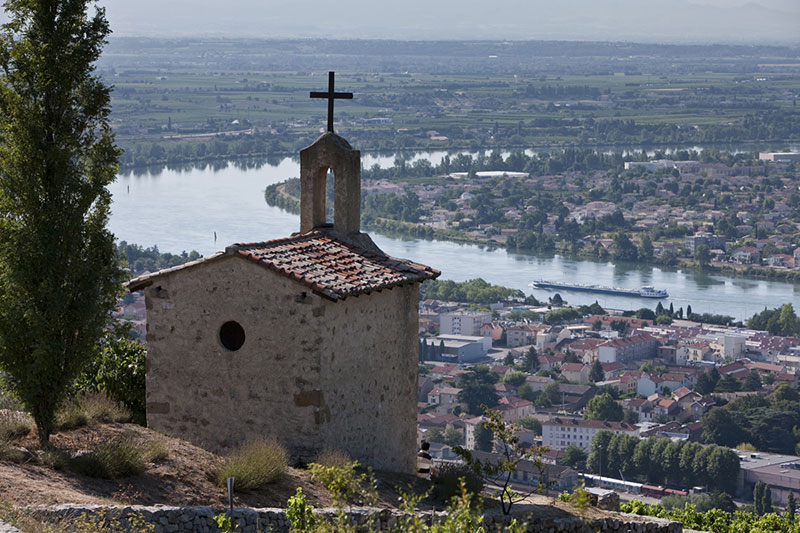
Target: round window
(231, 335)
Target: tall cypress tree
(758, 497)
(59, 274)
(766, 503)
(791, 505)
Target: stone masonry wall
(215, 398)
(369, 378)
(201, 519)
(313, 373)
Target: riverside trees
(59, 274)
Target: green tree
(753, 381)
(549, 396)
(572, 456)
(483, 438)
(720, 427)
(434, 434)
(477, 388)
(525, 391)
(532, 423)
(453, 437)
(531, 360)
(603, 407)
(59, 275)
(702, 255)
(791, 505)
(119, 371)
(514, 378)
(598, 452)
(766, 502)
(596, 373)
(758, 496)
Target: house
(549, 362)
(666, 409)
(277, 338)
(561, 432)
(612, 369)
(575, 397)
(699, 407)
(642, 407)
(627, 349)
(747, 255)
(521, 335)
(514, 408)
(553, 476)
(538, 383)
(780, 260)
(586, 348)
(577, 372)
(444, 398)
(648, 384)
(494, 330)
(463, 323)
(699, 351)
(424, 386)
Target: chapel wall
(369, 369)
(200, 391)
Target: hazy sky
(693, 21)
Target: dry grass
(329, 457)
(14, 424)
(88, 409)
(254, 464)
(120, 457)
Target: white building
(463, 322)
(562, 431)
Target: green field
(186, 92)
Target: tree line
(664, 461)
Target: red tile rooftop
(329, 267)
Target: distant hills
(667, 21)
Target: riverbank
(277, 195)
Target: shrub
(120, 457)
(90, 408)
(9, 453)
(254, 464)
(447, 481)
(14, 424)
(119, 371)
(330, 457)
(344, 484)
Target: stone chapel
(311, 339)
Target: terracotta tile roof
(329, 267)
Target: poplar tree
(59, 274)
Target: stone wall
(201, 519)
(312, 373)
(215, 398)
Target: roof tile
(330, 267)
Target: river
(183, 209)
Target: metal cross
(331, 96)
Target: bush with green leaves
(449, 479)
(254, 464)
(499, 469)
(118, 369)
(716, 520)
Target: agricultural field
(240, 97)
